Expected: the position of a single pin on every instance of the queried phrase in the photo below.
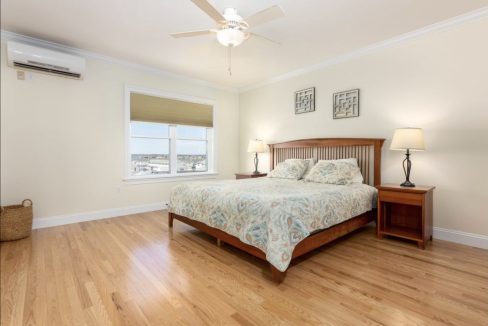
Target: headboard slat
(366, 150)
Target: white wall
(62, 140)
(438, 82)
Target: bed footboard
(310, 243)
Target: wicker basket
(16, 221)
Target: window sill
(171, 178)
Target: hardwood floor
(127, 271)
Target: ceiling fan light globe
(230, 37)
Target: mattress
(271, 214)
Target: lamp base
(407, 184)
(256, 162)
(406, 169)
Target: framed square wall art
(346, 104)
(305, 100)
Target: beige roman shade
(164, 110)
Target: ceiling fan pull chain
(229, 55)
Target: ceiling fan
(231, 28)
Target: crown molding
(472, 15)
(8, 35)
(375, 47)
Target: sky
(161, 146)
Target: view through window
(150, 146)
(191, 149)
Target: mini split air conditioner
(24, 56)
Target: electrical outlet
(20, 75)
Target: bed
(278, 220)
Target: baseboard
(469, 239)
(46, 222)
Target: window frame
(173, 175)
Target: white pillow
(340, 172)
(357, 176)
(289, 169)
(310, 164)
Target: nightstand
(405, 212)
(248, 175)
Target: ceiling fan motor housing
(230, 14)
(233, 20)
(232, 33)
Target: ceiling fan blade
(264, 38)
(210, 10)
(265, 15)
(193, 33)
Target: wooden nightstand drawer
(401, 197)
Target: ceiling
(311, 31)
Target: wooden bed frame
(368, 153)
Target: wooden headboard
(366, 150)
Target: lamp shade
(255, 146)
(408, 138)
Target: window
(192, 148)
(168, 137)
(149, 146)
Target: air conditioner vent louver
(25, 56)
(46, 65)
(48, 70)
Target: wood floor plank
(133, 270)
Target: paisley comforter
(271, 214)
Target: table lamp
(256, 146)
(409, 139)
